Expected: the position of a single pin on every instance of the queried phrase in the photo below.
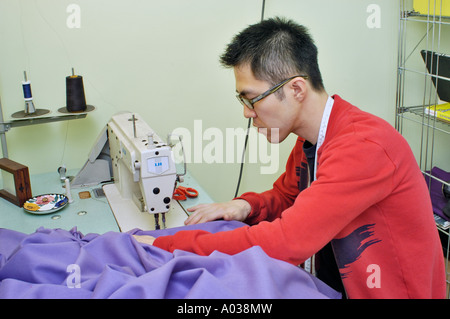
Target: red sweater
(370, 200)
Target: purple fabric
(115, 265)
(437, 197)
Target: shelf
(424, 119)
(414, 85)
(443, 229)
(424, 73)
(39, 120)
(47, 118)
(25, 120)
(424, 18)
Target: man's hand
(145, 239)
(237, 209)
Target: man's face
(270, 115)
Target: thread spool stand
(32, 116)
(6, 126)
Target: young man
(352, 192)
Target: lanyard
(323, 129)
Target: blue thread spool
(27, 90)
(29, 105)
(30, 109)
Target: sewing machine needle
(164, 220)
(157, 222)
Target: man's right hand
(237, 209)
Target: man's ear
(298, 87)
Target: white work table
(89, 215)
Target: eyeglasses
(249, 103)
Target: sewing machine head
(143, 165)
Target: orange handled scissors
(181, 193)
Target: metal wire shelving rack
(428, 136)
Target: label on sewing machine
(158, 165)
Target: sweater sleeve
(352, 175)
(270, 204)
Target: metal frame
(429, 125)
(6, 126)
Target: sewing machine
(144, 173)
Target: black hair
(276, 49)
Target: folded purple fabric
(437, 197)
(55, 263)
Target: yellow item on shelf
(422, 6)
(441, 111)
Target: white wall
(160, 59)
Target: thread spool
(75, 98)
(26, 85)
(68, 193)
(30, 110)
(27, 95)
